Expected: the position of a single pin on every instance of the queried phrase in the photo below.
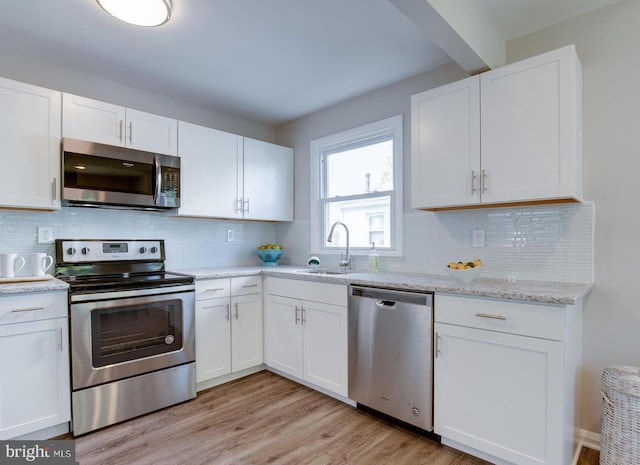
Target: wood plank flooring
(263, 419)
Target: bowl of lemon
(465, 271)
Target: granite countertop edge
(24, 287)
(548, 292)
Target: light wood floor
(263, 419)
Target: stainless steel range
(132, 330)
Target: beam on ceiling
(461, 29)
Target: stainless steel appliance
(131, 328)
(105, 175)
(390, 353)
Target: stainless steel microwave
(105, 175)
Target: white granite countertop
(533, 291)
(20, 287)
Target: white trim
(394, 123)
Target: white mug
(10, 264)
(40, 262)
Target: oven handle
(132, 293)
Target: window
(357, 177)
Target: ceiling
(265, 60)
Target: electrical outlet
(478, 238)
(231, 235)
(45, 235)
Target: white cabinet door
(531, 129)
(92, 120)
(445, 151)
(105, 123)
(325, 346)
(34, 386)
(246, 332)
(151, 133)
(29, 145)
(283, 336)
(268, 181)
(210, 161)
(213, 338)
(499, 393)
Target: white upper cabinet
(267, 181)
(209, 167)
(30, 145)
(510, 135)
(104, 123)
(229, 176)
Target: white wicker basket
(620, 438)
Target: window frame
(318, 147)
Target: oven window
(123, 333)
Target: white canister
(10, 264)
(40, 263)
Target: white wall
(45, 74)
(608, 43)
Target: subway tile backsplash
(547, 243)
(189, 242)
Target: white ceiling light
(139, 12)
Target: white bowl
(465, 276)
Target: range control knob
(143, 249)
(71, 251)
(85, 250)
(154, 249)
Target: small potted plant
(270, 253)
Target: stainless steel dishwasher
(390, 353)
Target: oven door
(118, 335)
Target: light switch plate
(231, 236)
(478, 238)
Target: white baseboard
(586, 439)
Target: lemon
(477, 262)
(453, 265)
(460, 266)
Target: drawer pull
(18, 310)
(249, 285)
(492, 317)
(215, 289)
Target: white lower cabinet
(305, 327)
(228, 326)
(506, 379)
(35, 392)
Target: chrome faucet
(344, 259)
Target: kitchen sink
(325, 271)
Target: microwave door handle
(158, 178)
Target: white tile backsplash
(548, 243)
(189, 242)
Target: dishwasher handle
(386, 304)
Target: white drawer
(213, 288)
(243, 285)
(20, 308)
(527, 319)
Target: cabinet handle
(492, 317)
(249, 285)
(484, 181)
(473, 182)
(228, 314)
(297, 318)
(120, 136)
(303, 312)
(437, 346)
(60, 334)
(236, 312)
(246, 210)
(215, 289)
(54, 190)
(18, 310)
(239, 204)
(131, 132)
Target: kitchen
(605, 43)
